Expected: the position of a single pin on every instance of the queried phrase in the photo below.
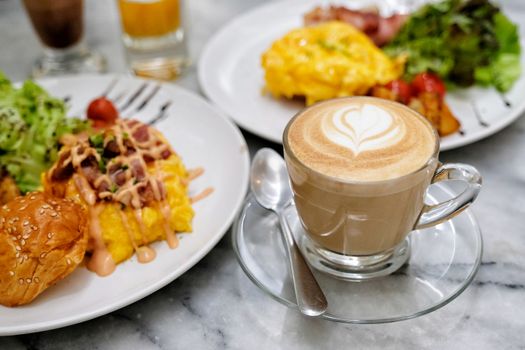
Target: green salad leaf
(465, 42)
(31, 124)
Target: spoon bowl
(269, 180)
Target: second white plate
(230, 74)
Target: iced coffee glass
(59, 25)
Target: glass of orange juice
(154, 37)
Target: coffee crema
(361, 139)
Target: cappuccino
(359, 169)
(361, 139)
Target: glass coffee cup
(359, 169)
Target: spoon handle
(310, 298)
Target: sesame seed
(21, 281)
(32, 198)
(18, 237)
(41, 211)
(11, 273)
(26, 236)
(13, 238)
(54, 215)
(34, 228)
(17, 254)
(22, 208)
(46, 206)
(18, 247)
(68, 261)
(23, 242)
(49, 235)
(28, 280)
(43, 255)
(16, 218)
(25, 223)
(36, 279)
(4, 207)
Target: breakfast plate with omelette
(113, 207)
(261, 72)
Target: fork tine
(162, 113)
(133, 97)
(148, 98)
(110, 87)
(120, 96)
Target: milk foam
(361, 138)
(362, 127)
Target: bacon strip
(380, 29)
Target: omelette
(134, 186)
(325, 61)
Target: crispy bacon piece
(141, 134)
(137, 170)
(380, 29)
(388, 29)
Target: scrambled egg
(330, 60)
(116, 237)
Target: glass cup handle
(432, 215)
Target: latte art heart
(361, 138)
(362, 128)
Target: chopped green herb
(124, 167)
(113, 188)
(102, 165)
(96, 140)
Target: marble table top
(215, 306)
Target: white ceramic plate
(230, 74)
(202, 137)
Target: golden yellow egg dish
(133, 186)
(117, 234)
(329, 60)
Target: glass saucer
(443, 261)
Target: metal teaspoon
(270, 185)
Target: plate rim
(183, 268)
(204, 79)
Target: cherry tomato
(401, 90)
(428, 82)
(102, 112)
